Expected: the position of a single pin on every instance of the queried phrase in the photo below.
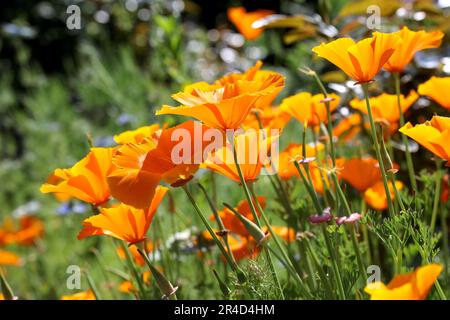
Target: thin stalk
(359, 259)
(445, 242)
(133, 269)
(218, 219)
(322, 273)
(92, 285)
(274, 235)
(366, 233)
(334, 266)
(309, 188)
(231, 261)
(437, 194)
(254, 213)
(377, 149)
(439, 290)
(409, 162)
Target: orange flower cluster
(27, 231)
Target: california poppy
(8, 258)
(257, 75)
(123, 222)
(128, 182)
(286, 158)
(309, 108)
(266, 118)
(137, 135)
(350, 170)
(252, 149)
(243, 21)
(140, 167)
(232, 223)
(411, 43)
(385, 107)
(86, 180)
(360, 60)
(83, 295)
(410, 286)
(370, 184)
(375, 196)
(348, 127)
(29, 229)
(225, 104)
(433, 135)
(436, 88)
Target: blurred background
(58, 86)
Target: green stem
(322, 273)
(92, 285)
(359, 259)
(253, 210)
(409, 162)
(231, 261)
(275, 236)
(133, 269)
(218, 219)
(437, 194)
(309, 188)
(377, 149)
(445, 242)
(334, 266)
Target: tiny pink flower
(347, 220)
(321, 218)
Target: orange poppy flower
(86, 180)
(286, 166)
(30, 228)
(138, 135)
(360, 60)
(411, 43)
(350, 170)
(84, 295)
(53, 179)
(308, 108)
(123, 222)
(8, 258)
(243, 21)
(257, 75)
(409, 286)
(128, 182)
(348, 127)
(269, 118)
(434, 88)
(140, 167)
(375, 196)
(385, 107)
(252, 148)
(226, 104)
(433, 135)
(370, 184)
(232, 223)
